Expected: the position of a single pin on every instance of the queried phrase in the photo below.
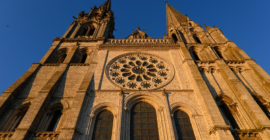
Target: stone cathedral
(191, 84)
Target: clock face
(139, 71)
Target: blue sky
(27, 27)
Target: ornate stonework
(139, 71)
(89, 85)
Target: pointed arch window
(174, 37)
(51, 120)
(194, 53)
(12, 121)
(54, 120)
(218, 52)
(143, 122)
(83, 55)
(183, 126)
(103, 126)
(228, 114)
(91, 31)
(197, 40)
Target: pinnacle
(172, 13)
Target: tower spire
(173, 15)
(107, 5)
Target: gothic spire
(107, 5)
(174, 16)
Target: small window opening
(230, 119)
(218, 52)
(197, 40)
(54, 121)
(91, 32)
(174, 37)
(62, 58)
(83, 58)
(228, 114)
(84, 30)
(194, 54)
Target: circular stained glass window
(139, 71)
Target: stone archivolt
(139, 71)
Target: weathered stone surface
(87, 71)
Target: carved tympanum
(139, 71)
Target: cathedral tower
(192, 84)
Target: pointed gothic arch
(51, 118)
(228, 109)
(11, 122)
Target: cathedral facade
(192, 84)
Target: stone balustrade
(139, 41)
(47, 135)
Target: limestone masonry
(191, 84)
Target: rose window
(139, 71)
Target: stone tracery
(139, 71)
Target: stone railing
(248, 134)
(47, 135)
(6, 135)
(139, 41)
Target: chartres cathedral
(191, 84)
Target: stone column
(171, 134)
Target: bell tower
(97, 24)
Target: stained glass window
(183, 126)
(103, 126)
(143, 122)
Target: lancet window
(143, 122)
(103, 126)
(183, 126)
(11, 122)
